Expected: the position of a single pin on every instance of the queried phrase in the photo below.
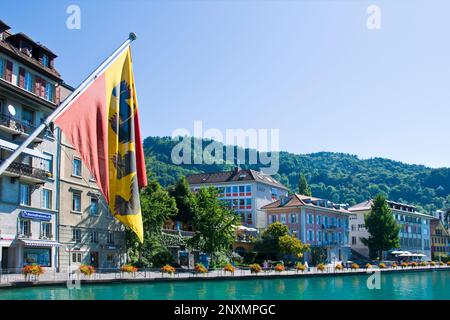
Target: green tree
(214, 224)
(184, 199)
(156, 206)
(290, 245)
(382, 227)
(269, 244)
(303, 187)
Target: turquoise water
(413, 285)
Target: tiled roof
(233, 176)
(297, 200)
(367, 205)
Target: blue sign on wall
(35, 215)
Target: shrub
(161, 258)
(300, 267)
(355, 266)
(128, 268)
(255, 268)
(432, 263)
(200, 268)
(368, 266)
(414, 264)
(394, 265)
(321, 267)
(168, 269)
(339, 267)
(423, 263)
(87, 270)
(441, 263)
(33, 269)
(448, 263)
(279, 268)
(382, 265)
(228, 268)
(404, 264)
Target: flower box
(279, 268)
(87, 270)
(255, 268)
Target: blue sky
(309, 68)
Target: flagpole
(66, 103)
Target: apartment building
(29, 92)
(440, 240)
(245, 191)
(414, 234)
(317, 222)
(88, 232)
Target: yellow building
(440, 240)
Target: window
(94, 237)
(76, 167)
(325, 220)
(109, 257)
(93, 208)
(28, 81)
(293, 218)
(46, 230)
(228, 190)
(48, 91)
(110, 238)
(2, 67)
(283, 218)
(310, 219)
(310, 235)
(353, 241)
(46, 199)
(45, 60)
(25, 194)
(241, 189)
(273, 218)
(47, 164)
(76, 257)
(76, 235)
(25, 228)
(248, 189)
(319, 220)
(76, 201)
(235, 189)
(248, 202)
(40, 257)
(27, 116)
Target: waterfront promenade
(148, 275)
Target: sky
(311, 69)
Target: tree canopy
(303, 187)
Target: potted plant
(229, 268)
(168, 269)
(368, 266)
(414, 264)
(321, 267)
(128, 268)
(32, 270)
(300, 267)
(394, 265)
(339, 266)
(404, 264)
(355, 266)
(423, 264)
(441, 263)
(87, 270)
(448, 263)
(279, 268)
(432, 263)
(382, 265)
(255, 268)
(200, 268)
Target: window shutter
(8, 72)
(21, 77)
(42, 88)
(37, 85)
(57, 94)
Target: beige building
(89, 234)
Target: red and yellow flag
(102, 124)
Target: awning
(40, 243)
(32, 152)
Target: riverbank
(11, 281)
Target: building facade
(29, 92)
(440, 240)
(245, 191)
(88, 232)
(317, 222)
(414, 233)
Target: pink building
(315, 221)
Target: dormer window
(45, 60)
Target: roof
(233, 176)
(4, 26)
(9, 48)
(367, 205)
(23, 36)
(435, 223)
(299, 200)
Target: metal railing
(16, 124)
(26, 170)
(179, 232)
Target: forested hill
(340, 177)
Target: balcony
(17, 128)
(26, 173)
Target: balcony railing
(179, 232)
(22, 169)
(16, 124)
